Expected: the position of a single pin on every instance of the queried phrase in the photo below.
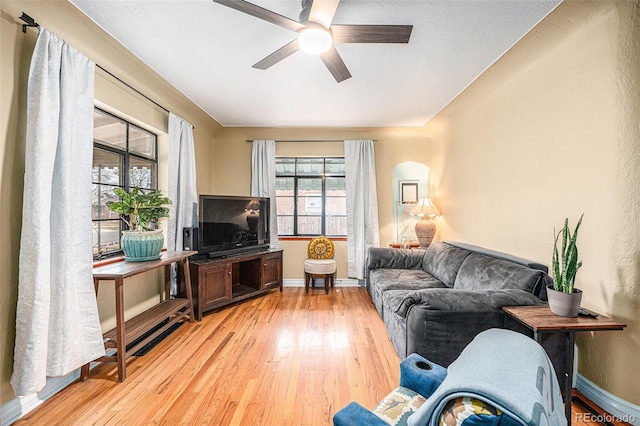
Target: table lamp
(425, 227)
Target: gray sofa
(434, 302)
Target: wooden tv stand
(221, 281)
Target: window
(311, 196)
(124, 156)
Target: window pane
(142, 142)
(285, 205)
(285, 166)
(309, 186)
(310, 166)
(284, 186)
(285, 225)
(142, 173)
(336, 225)
(334, 166)
(335, 187)
(309, 225)
(106, 236)
(109, 130)
(309, 206)
(336, 206)
(107, 167)
(100, 194)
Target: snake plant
(565, 264)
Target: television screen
(232, 224)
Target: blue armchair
(502, 378)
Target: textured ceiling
(206, 51)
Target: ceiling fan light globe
(315, 40)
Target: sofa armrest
(378, 258)
(421, 375)
(355, 414)
(454, 300)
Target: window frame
(125, 156)
(323, 176)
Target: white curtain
(362, 204)
(57, 324)
(182, 185)
(263, 181)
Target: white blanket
(509, 371)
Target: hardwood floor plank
(282, 359)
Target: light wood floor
(283, 359)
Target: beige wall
(550, 131)
(232, 171)
(63, 19)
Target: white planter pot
(139, 246)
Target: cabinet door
(272, 270)
(215, 284)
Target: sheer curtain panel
(362, 204)
(263, 181)
(57, 324)
(182, 185)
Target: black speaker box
(190, 238)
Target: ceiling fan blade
(278, 55)
(335, 64)
(261, 13)
(371, 33)
(322, 11)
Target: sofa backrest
(500, 255)
(481, 272)
(443, 260)
(447, 261)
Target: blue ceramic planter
(140, 246)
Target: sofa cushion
(443, 260)
(382, 280)
(405, 279)
(480, 272)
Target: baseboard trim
(19, 406)
(339, 282)
(617, 407)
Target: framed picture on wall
(408, 192)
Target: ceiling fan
(317, 35)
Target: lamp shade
(425, 208)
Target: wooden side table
(412, 245)
(540, 319)
(166, 313)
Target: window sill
(109, 261)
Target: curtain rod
(30, 22)
(307, 140)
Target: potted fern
(141, 210)
(564, 298)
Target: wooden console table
(165, 314)
(540, 319)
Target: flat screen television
(230, 225)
